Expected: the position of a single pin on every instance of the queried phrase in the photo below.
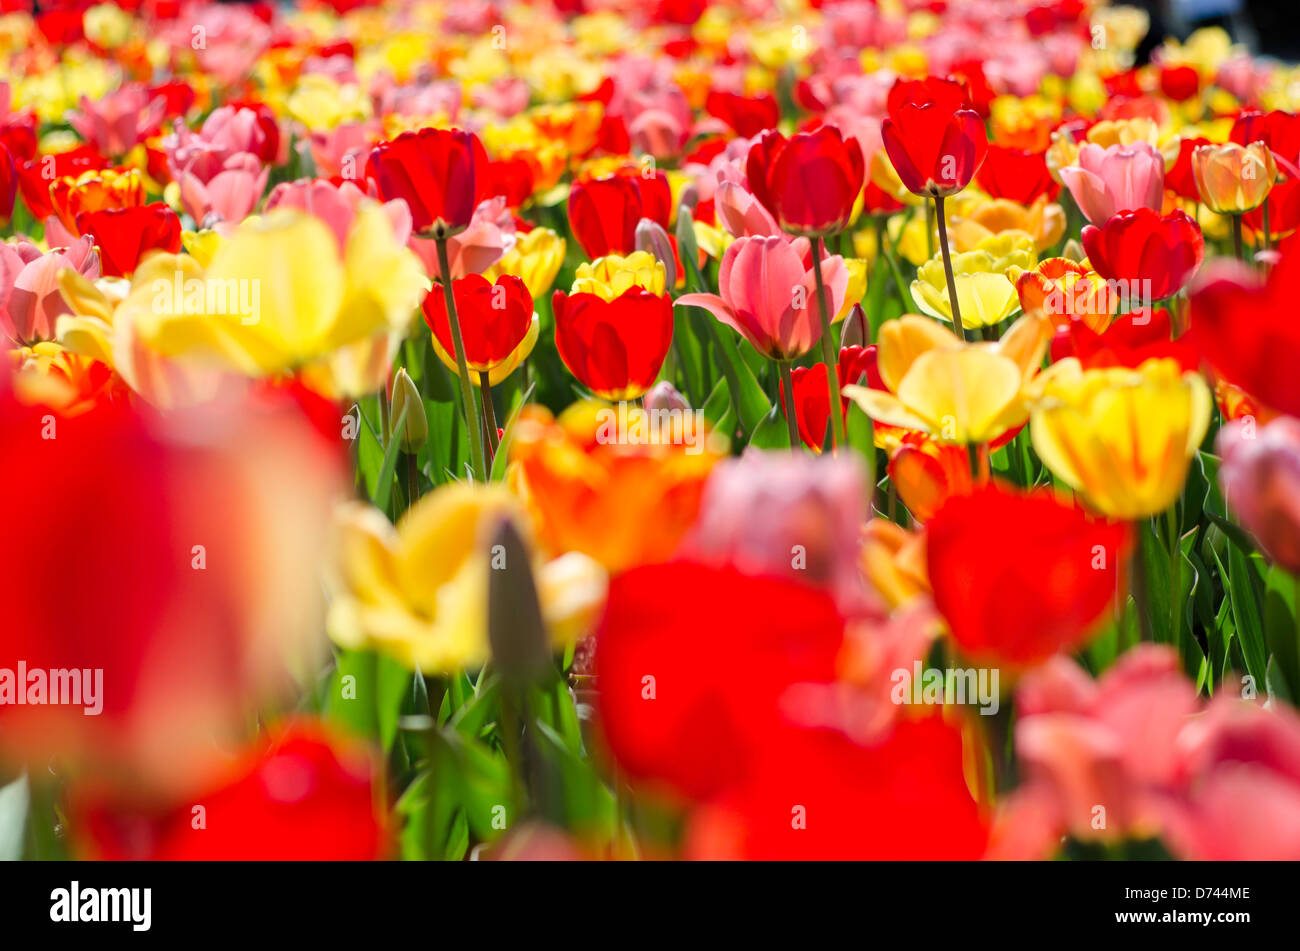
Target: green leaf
(772, 432)
(862, 438)
(384, 481)
(1282, 626)
(1246, 596)
(369, 703)
(501, 460)
(15, 799)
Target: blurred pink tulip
(227, 132)
(120, 120)
(1116, 178)
(1260, 474)
(336, 205)
(229, 196)
(770, 298)
(30, 300)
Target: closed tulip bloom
(1233, 178)
(770, 298)
(808, 182)
(1260, 475)
(614, 347)
(1121, 437)
(125, 235)
(955, 392)
(935, 149)
(1020, 575)
(494, 318)
(441, 174)
(1156, 255)
(1104, 181)
(604, 212)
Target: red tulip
(494, 318)
(935, 142)
(812, 395)
(1246, 329)
(1280, 131)
(1179, 177)
(747, 115)
(36, 174)
(1155, 255)
(604, 212)
(1019, 575)
(949, 94)
(1016, 174)
(276, 804)
(819, 795)
(1283, 203)
(442, 174)
(1129, 341)
(615, 348)
(808, 182)
(693, 662)
(125, 235)
(1180, 83)
(8, 185)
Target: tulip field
(647, 429)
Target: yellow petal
(961, 393)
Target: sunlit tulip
(1104, 181)
(1233, 178)
(418, 592)
(1121, 437)
(812, 396)
(1155, 255)
(808, 182)
(1018, 175)
(892, 559)
(1043, 221)
(927, 473)
(614, 347)
(623, 495)
(769, 297)
(936, 146)
(1064, 290)
(1260, 474)
(604, 211)
(125, 235)
(288, 297)
(613, 274)
(1021, 575)
(536, 258)
(985, 294)
(955, 392)
(494, 318)
(1243, 326)
(441, 174)
(29, 299)
(95, 191)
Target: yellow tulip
(1121, 437)
(612, 275)
(954, 391)
(1232, 178)
(857, 286)
(986, 294)
(1043, 222)
(535, 259)
(278, 296)
(418, 592)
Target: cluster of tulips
(615, 429)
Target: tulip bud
(687, 246)
(1233, 178)
(663, 395)
(855, 333)
(415, 430)
(516, 631)
(1073, 251)
(651, 237)
(690, 197)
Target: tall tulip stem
(947, 269)
(787, 387)
(462, 368)
(489, 414)
(1237, 244)
(829, 355)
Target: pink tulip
(227, 132)
(770, 298)
(30, 300)
(1114, 179)
(336, 205)
(229, 196)
(1260, 475)
(117, 122)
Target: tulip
(614, 347)
(1017, 175)
(892, 559)
(1153, 254)
(289, 268)
(407, 406)
(116, 122)
(1232, 179)
(1065, 291)
(125, 235)
(808, 182)
(536, 259)
(597, 491)
(816, 504)
(1242, 324)
(748, 116)
(652, 238)
(985, 294)
(812, 407)
(269, 805)
(704, 726)
(927, 473)
(1105, 181)
(35, 175)
(1055, 578)
(1121, 437)
(1260, 474)
(1279, 131)
(30, 303)
(609, 276)
(1043, 221)
(604, 212)
(441, 174)
(230, 195)
(1179, 177)
(955, 392)
(417, 592)
(935, 148)
(95, 191)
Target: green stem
(1237, 244)
(1268, 231)
(787, 387)
(1175, 574)
(462, 368)
(1139, 583)
(829, 354)
(947, 268)
(489, 415)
